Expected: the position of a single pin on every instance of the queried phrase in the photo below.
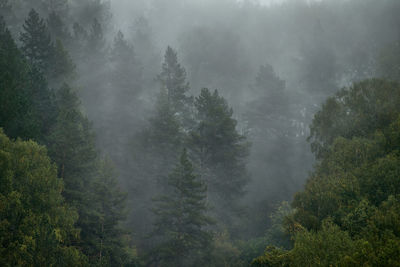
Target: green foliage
(347, 214)
(63, 69)
(71, 145)
(224, 252)
(36, 42)
(27, 109)
(16, 111)
(357, 111)
(108, 241)
(173, 79)
(36, 226)
(220, 152)
(181, 220)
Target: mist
(217, 104)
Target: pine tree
(157, 147)
(27, 109)
(127, 72)
(89, 186)
(220, 151)
(63, 68)
(125, 90)
(173, 78)
(181, 220)
(71, 146)
(36, 42)
(16, 111)
(110, 248)
(96, 41)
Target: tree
(36, 41)
(90, 185)
(124, 93)
(71, 146)
(156, 148)
(276, 136)
(220, 151)
(347, 213)
(108, 245)
(36, 225)
(181, 220)
(63, 68)
(173, 78)
(357, 111)
(16, 111)
(96, 41)
(27, 109)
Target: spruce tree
(89, 186)
(173, 78)
(16, 111)
(181, 219)
(36, 41)
(71, 146)
(220, 152)
(110, 246)
(27, 109)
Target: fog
(273, 61)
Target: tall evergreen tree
(26, 102)
(16, 111)
(89, 187)
(36, 41)
(71, 146)
(181, 220)
(127, 72)
(96, 41)
(220, 151)
(173, 78)
(157, 147)
(109, 243)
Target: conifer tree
(62, 66)
(71, 146)
(96, 41)
(27, 109)
(36, 42)
(181, 219)
(110, 247)
(16, 111)
(127, 72)
(220, 152)
(173, 78)
(89, 186)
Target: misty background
(274, 62)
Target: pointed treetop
(36, 41)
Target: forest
(199, 133)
